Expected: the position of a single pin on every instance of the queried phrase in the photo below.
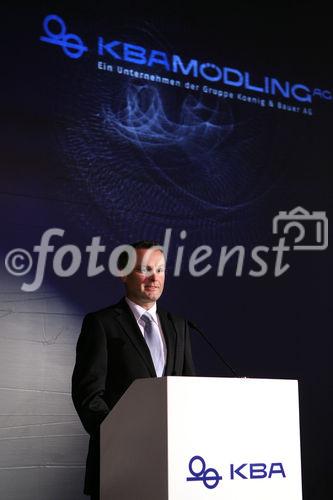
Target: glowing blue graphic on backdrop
(146, 157)
(142, 153)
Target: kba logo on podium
(210, 477)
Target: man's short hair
(123, 257)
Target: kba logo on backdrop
(210, 477)
(55, 33)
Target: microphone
(194, 327)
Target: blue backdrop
(121, 123)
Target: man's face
(144, 285)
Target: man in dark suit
(129, 340)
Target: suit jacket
(111, 353)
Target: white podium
(191, 438)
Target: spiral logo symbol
(209, 476)
(55, 33)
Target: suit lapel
(132, 330)
(170, 334)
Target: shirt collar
(138, 311)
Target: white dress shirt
(138, 311)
